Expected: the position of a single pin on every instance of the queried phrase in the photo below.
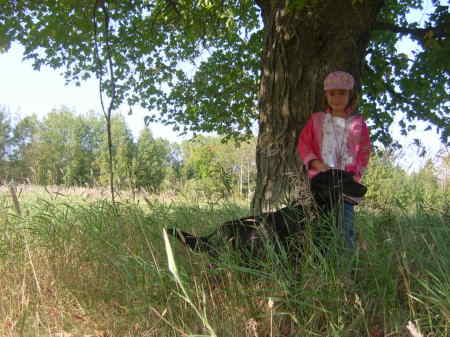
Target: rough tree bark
(301, 47)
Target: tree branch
(439, 31)
(174, 5)
(106, 113)
(389, 88)
(261, 3)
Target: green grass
(88, 268)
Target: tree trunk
(301, 47)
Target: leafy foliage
(65, 148)
(415, 84)
(5, 138)
(151, 162)
(391, 188)
(217, 167)
(24, 134)
(168, 36)
(5, 132)
(195, 64)
(122, 152)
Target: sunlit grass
(89, 268)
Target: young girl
(337, 138)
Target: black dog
(250, 234)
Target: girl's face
(337, 99)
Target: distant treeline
(65, 148)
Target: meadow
(74, 264)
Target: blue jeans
(347, 226)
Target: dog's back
(247, 234)
(251, 233)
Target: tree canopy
(221, 65)
(196, 64)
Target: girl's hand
(319, 165)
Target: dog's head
(329, 187)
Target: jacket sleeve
(305, 144)
(363, 155)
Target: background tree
(151, 161)
(275, 52)
(51, 151)
(6, 137)
(246, 167)
(84, 147)
(443, 171)
(428, 190)
(384, 177)
(24, 135)
(61, 148)
(204, 170)
(235, 163)
(220, 166)
(175, 174)
(122, 153)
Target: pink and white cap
(338, 80)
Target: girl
(337, 138)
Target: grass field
(76, 265)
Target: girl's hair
(352, 101)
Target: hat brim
(338, 88)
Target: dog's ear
(328, 180)
(320, 182)
(323, 187)
(354, 189)
(326, 177)
(350, 187)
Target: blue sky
(25, 91)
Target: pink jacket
(358, 142)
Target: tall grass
(90, 268)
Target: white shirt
(334, 141)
